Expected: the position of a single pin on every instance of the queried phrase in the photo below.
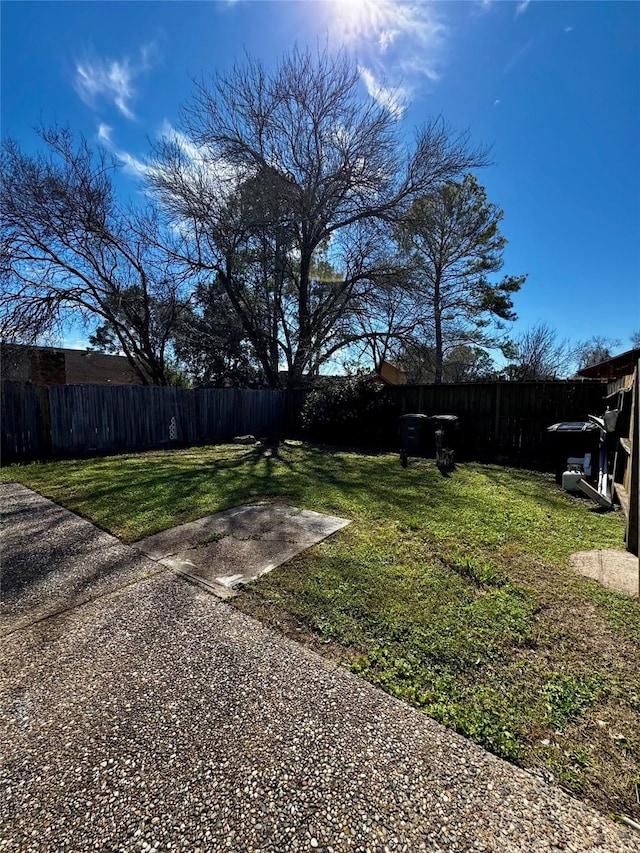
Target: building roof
(613, 368)
(392, 375)
(58, 366)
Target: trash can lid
(450, 418)
(573, 426)
(426, 417)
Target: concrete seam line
(87, 600)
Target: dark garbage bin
(446, 438)
(425, 435)
(575, 445)
(414, 436)
(450, 426)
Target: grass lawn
(454, 594)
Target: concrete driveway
(138, 712)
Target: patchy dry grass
(454, 594)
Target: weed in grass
(214, 537)
(477, 712)
(567, 697)
(572, 778)
(482, 717)
(580, 757)
(481, 572)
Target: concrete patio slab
(234, 547)
(617, 570)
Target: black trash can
(575, 440)
(414, 436)
(450, 426)
(446, 431)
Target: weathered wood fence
(504, 418)
(60, 420)
(497, 418)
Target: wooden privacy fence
(505, 418)
(497, 418)
(40, 423)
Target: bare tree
(69, 249)
(384, 325)
(453, 237)
(275, 168)
(540, 354)
(594, 350)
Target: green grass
(452, 593)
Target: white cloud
(112, 80)
(204, 165)
(386, 38)
(104, 133)
(568, 29)
(193, 152)
(517, 56)
(132, 165)
(497, 102)
(412, 67)
(521, 8)
(394, 40)
(391, 99)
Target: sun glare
(358, 19)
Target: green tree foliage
(211, 344)
(352, 409)
(453, 238)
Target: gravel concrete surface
(53, 559)
(157, 717)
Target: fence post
(496, 425)
(45, 449)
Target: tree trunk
(437, 316)
(302, 355)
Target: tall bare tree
(453, 237)
(68, 249)
(595, 349)
(540, 354)
(273, 169)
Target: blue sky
(553, 87)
